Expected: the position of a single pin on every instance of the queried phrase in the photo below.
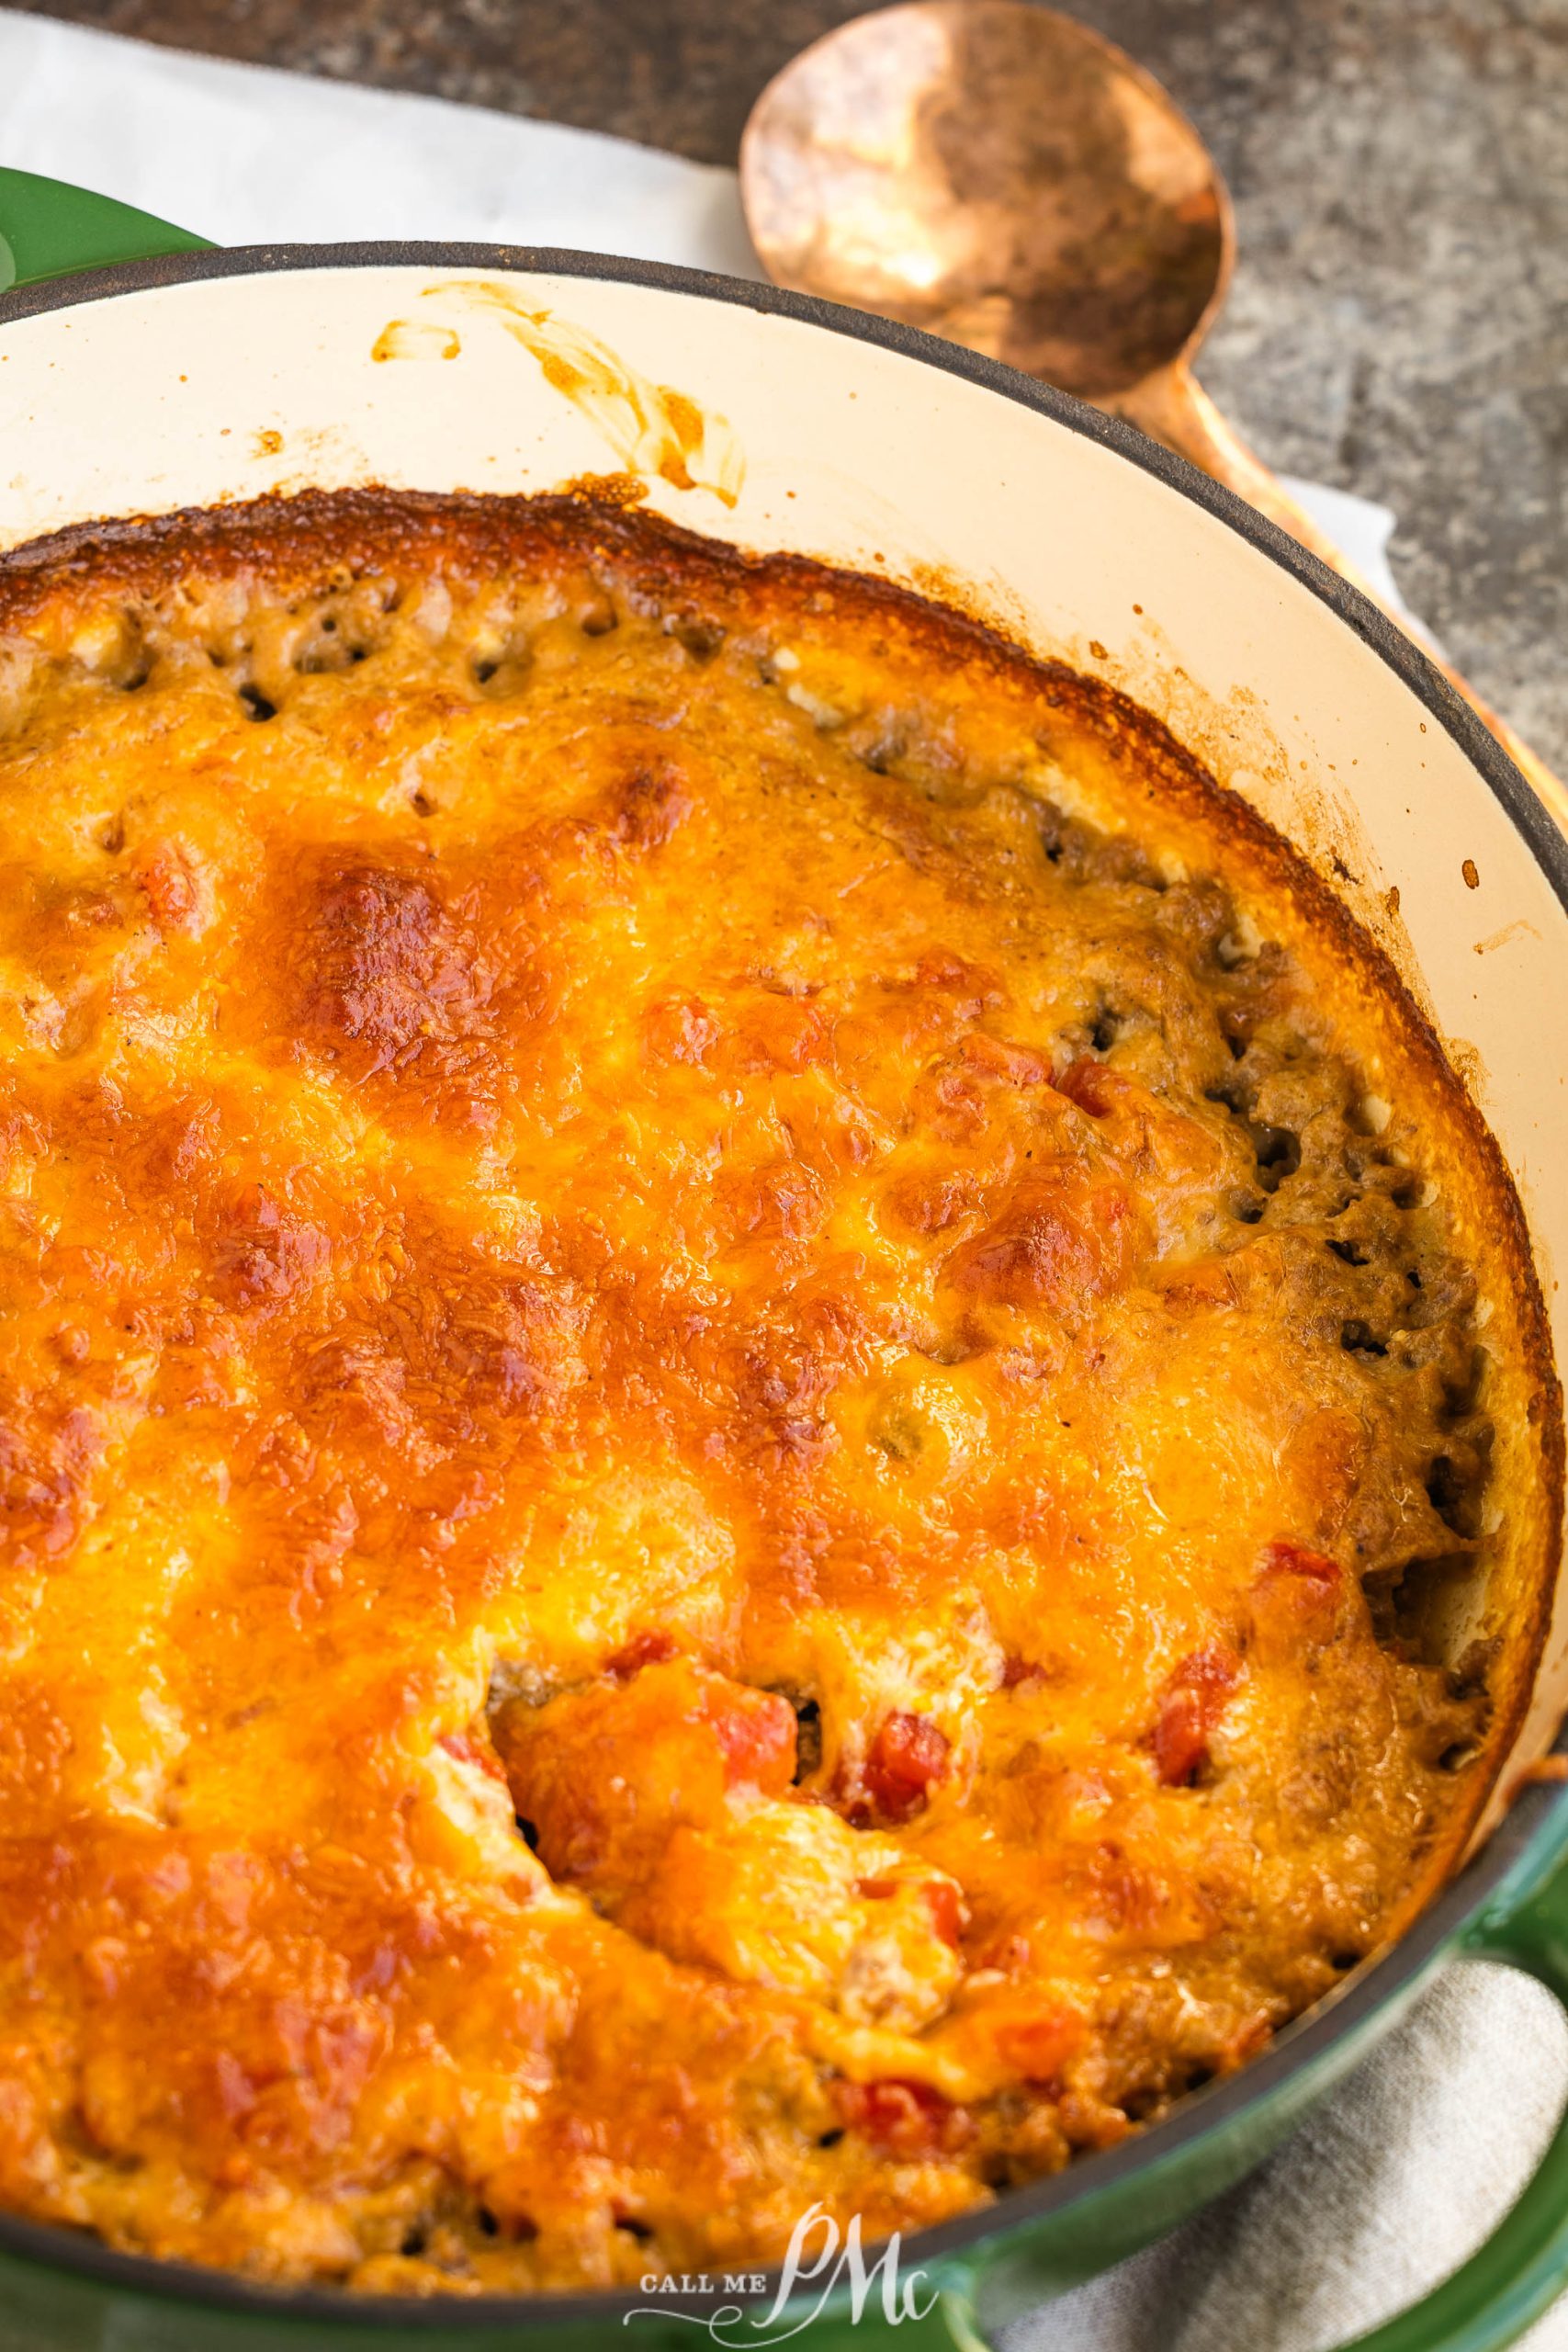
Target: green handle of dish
(49, 229)
(1489, 2301)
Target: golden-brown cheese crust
(683, 1201)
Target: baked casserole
(770, 1433)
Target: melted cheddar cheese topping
(750, 1406)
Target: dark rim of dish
(1538, 1819)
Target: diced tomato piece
(905, 2119)
(1091, 1085)
(1180, 1739)
(976, 988)
(945, 1905)
(941, 1898)
(908, 1758)
(1285, 1558)
(1195, 1701)
(998, 1057)
(1294, 1602)
(643, 1649)
(468, 1749)
(757, 1732)
(1040, 2046)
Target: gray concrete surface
(1399, 322)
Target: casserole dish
(802, 429)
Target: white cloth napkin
(1411, 2165)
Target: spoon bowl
(998, 175)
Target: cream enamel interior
(229, 388)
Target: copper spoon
(1001, 176)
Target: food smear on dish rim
(654, 429)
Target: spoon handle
(1175, 411)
